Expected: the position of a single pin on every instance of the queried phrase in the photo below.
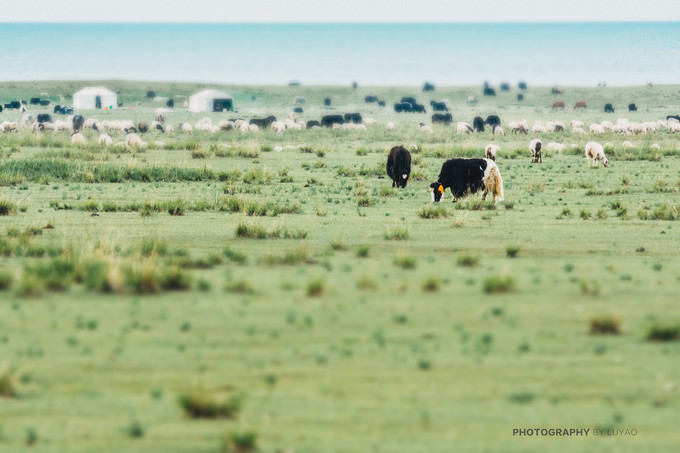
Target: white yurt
(210, 101)
(95, 98)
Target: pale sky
(337, 10)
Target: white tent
(210, 101)
(95, 98)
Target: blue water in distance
(582, 54)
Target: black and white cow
(468, 176)
(399, 166)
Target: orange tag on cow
(441, 189)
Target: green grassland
(344, 315)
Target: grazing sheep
(497, 130)
(157, 126)
(626, 144)
(654, 146)
(78, 138)
(424, 128)
(576, 123)
(535, 147)
(105, 139)
(186, 128)
(159, 117)
(538, 128)
(595, 151)
(596, 129)
(463, 128)
(674, 127)
(133, 140)
(519, 126)
(389, 126)
(169, 129)
(278, 126)
(253, 128)
(337, 126)
(558, 147)
(471, 100)
(578, 130)
(620, 129)
(368, 121)
(557, 89)
(490, 151)
(9, 126)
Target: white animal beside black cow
(468, 176)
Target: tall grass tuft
(239, 442)
(202, 405)
(605, 325)
(496, 285)
(7, 207)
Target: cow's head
(402, 179)
(437, 191)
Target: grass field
(342, 314)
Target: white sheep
(133, 140)
(78, 139)
(595, 151)
(654, 146)
(169, 129)
(519, 126)
(606, 125)
(535, 147)
(425, 129)
(596, 129)
(368, 121)
(636, 128)
(186, 128)
(626, 144)
(105, 139)
(557, 147)
(292, 116)
(338, 126)
(278, 126)
(63, 126)
(578, 130)
(253, 128)
(93, 124)
(490, 151)
(389, 126)
(620, 129)
(471, 100)
(463, 128)
(497, 130)
(576, 123)
(674, 127)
